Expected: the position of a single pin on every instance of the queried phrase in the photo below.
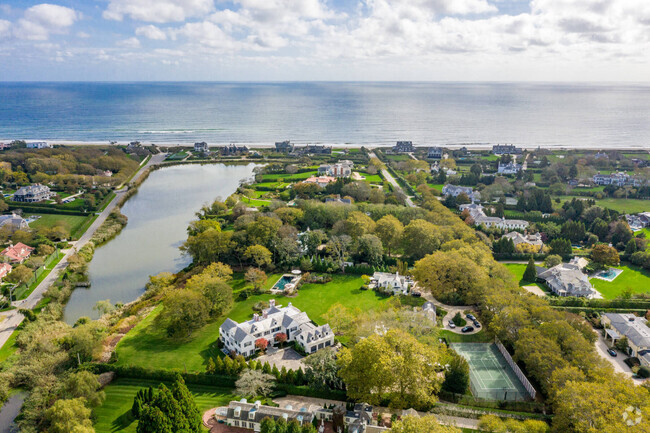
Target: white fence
(520, 374)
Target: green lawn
(371, 178)
(72, 222)
(42, 272)
(618, 204)
(114, 415)
(9, 348)
(255, 202)
(286, 177)
(634, 277)
(147, 345)
(518, 269)
(480, 337)
(437, 186)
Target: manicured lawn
(634, 277)
(114, 415)
(618, 204)
(286, 177)
(9, 348)
(371, 178)
(147, 345)
(256, 202)
(437, 186)
(518, 269)
(72, 222)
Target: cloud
(151, 32)
(129, 43)
(207, 34)
(5, 29)
(42, 20)
(158, 11)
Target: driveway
(617, 362)
(288, 358)
(451, 312)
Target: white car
(451, 324)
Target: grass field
(9, 348)
(372, 178)
(114, 415)
(147, 345)
(633, 277)
(42, 272)
(72, 222)
(618, 204)
(286, 177)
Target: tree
(359, 224)
(267, 425)
(44, 250)
(631, 247)
(21, 274)
(253, 383)
(84, 384)
(208, 246)
(394, 366)
(184, 311)
(341, 318)
(261, 344)
(322, 370)
(605, 255)
(259, 255)
(103, 307)
(280, 338)
(552, 260)
(369, 249)
(256, 277)
(263, 230)
(530, 274)
(573, 230)
(560, 247)
(421, 238)
(426, 424)
(69, 415)
(456, 375)
(188, 407)
(311, 240)
(389, 230)
(210, 284)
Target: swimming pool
(283, 281)
(608, 274)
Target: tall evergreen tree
(187, 405)
(530, 274)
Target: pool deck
(600, 277)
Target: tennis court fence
(513, 365)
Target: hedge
(639, 304)
(589, 310)
(31, 208)
(135, 372)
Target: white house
(240, 337)
(201, 147)
(250, 415)
(38, 145)
(567, 279)
(435, 153)
(509, 168)
(13, 222)
(455, 191)
(32, 193)
(340, 169)
(477, 213)
(531, 239)
(396, 283)
(635, 329)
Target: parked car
(467, 329)
(470, 316)
(612, 352)
(452, 325)
(416, 294)
(477, 323)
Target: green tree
(552, 260)
(530, 274)
(208, 246)
(84, 384)
(253, 383)
(184, 311)
(421, 238)
(560, 247)
(369, 249)
(21, 274)
(187, 405)
(605, 255)
(457, 375)
(426, 424)
(389, 230)
(322, 370)
(69, 415)
(260, 256)
(267, 425)
(256, 277)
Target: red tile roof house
(5, 268)
(17, 253)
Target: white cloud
(83, 35)
(158, 11)
(151, 32)
(129, 43)
(5, 29)
(207, 34)
(40, 21)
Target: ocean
(349, 113)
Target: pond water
(158, 217)
(10, 411)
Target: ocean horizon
(474, 114)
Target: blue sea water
(564, 115)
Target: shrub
(644, 371)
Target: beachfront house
(634, 328)
(233, 149)
(568, 279)
(17, 253)
(240, 338)
(392, 283)
(403, 147)
(340, 169)
(283, 146)
(534, 240)
(506, 149)
(32, 193)
(201, 147)
(435, 153)
(38, 145)
(13, 222)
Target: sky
(322, 40)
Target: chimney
(265, 314)
(256, 317)
(272, 303)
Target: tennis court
(490, 375)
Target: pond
(158, 214)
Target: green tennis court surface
(490, 375)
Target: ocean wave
(167, 131)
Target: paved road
(389, 177)
(616, 362)
(451, 312)
(9, 320)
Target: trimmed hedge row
(31, 208)
(600, 310)
(639, 304)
